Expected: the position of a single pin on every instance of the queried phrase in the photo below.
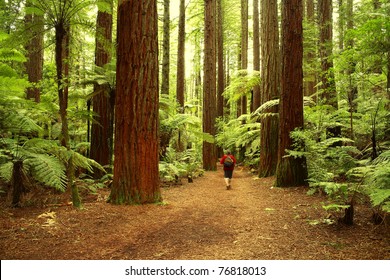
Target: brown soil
(201, 220)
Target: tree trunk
(136, 176)
(221, 60)
(291, 171)
(102, 131)
(180, 84)
(166, 49)
(311, 75)
(34, 64)
(244, 48)
(256, 53)
(326, 49)
(209, 86)
(270, 72)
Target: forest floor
(196, 221)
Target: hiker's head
(228, 152)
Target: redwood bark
(291, 171)
(102, 131)
(136, 176)
(209, 86)
(256, 53)
(270, 72)
(180, 84)
(166, 49)
(221, 60)
(34, 64)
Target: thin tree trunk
(244, 48)
(136, 175)
(291, 171)
(221, 60)
(326, 49)
(180, 84)
(166, 49)
(256, 53)
(34, 64)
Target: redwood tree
(209, 86)
(270, 74)
(256, 53)
(165, 49)
(180, 84)
(291, 171)
(102, 131)
(34, 47)
(136, 176)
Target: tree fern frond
(48, 170)
(6, 171)
(83, 162)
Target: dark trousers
(228, 173)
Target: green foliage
(180, 164)
(240, 133)
(242, 84)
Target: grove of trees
(138, 94)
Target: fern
(47, 170)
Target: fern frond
(48, 170)
(6, 171)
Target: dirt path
(196, 221)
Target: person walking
(228, 162)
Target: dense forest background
(296, 89)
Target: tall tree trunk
(102, 131)
(326, 50)
(136, 176)
(209, 86)
(180, 84)
(310, 55)
(256, 53)
(166, 49)
(291, 171)
(270, 72)
(244, 48)
(221, 60)
(34, 64)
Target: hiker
(228, 162)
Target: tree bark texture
(244, 48)
(256, 53)
(166, 49)
(209, 86)
(102, 131)
(326, 50)
(221, 60)
(136, 175)
(270, 72)
(291, 171)
(34, 64)
(180, 84)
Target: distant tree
(209, 85)
(291, 171)
(328, 85)
(255, 102)
(244, 48)
(34, 23)
(166, 49)
(136, 176)
(103, 106)
(220, 60)
(180, 84)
